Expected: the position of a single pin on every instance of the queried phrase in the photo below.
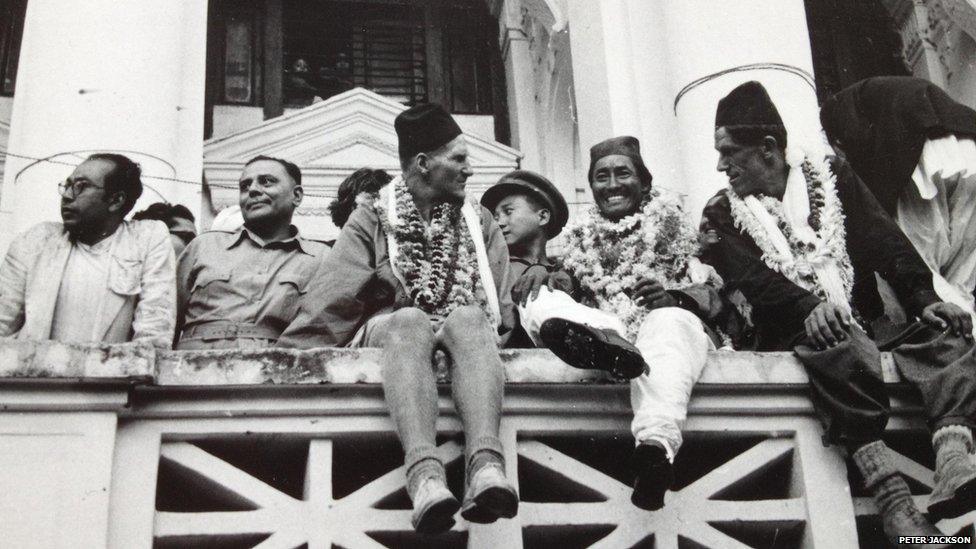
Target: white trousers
(674, 344)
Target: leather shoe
(588, 348)
(654, 475)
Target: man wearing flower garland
(417, 268)
(633, 258)
(802, 237)
(530, 211)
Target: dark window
(411, 51)
(237, 25)
(11, 31)
(331, 47)
(468, 53)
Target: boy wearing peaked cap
(530, 211)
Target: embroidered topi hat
(624, 145)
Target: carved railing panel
(365, 517)
(739, 486)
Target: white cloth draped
(796, 209)
(938, 214)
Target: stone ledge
(345, 366)
(139, 362)
(51, 359)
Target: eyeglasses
(71, 189)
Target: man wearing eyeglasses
(94, 277)
(238, 289)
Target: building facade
(123, 446)
(191, 89)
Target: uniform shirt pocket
(208, 279)
(125, 276)
(293, 282)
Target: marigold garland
(437, 260)
(610, 257)
(826, 219)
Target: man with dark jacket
(802, 238)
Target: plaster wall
(139, 92)
(779, 55)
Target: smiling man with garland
(633, 257)
(802, 238)
(424, 267)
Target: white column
(706, 37)
(594, 107)
(620, 68)
(519, 84)
(125, 76)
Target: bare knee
(410, 326)
(466, 321)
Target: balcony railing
(121, 446)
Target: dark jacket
(882, 123)
(779, 307)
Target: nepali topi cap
(747, 106)
(424, 128)
(624, 145)
(536, 186)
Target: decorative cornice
(315, 132)
(962, 13)
(551, 13)
(358, 138)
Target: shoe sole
(963, 500)
(490, 505)
(439, 517)
(582, 347)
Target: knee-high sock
(409, 384)
(477, 377)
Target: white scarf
(796, 208)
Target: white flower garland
(826, 219)
(438, 260)
(610, 257)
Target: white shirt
(83, 287)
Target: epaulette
(318, 246)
